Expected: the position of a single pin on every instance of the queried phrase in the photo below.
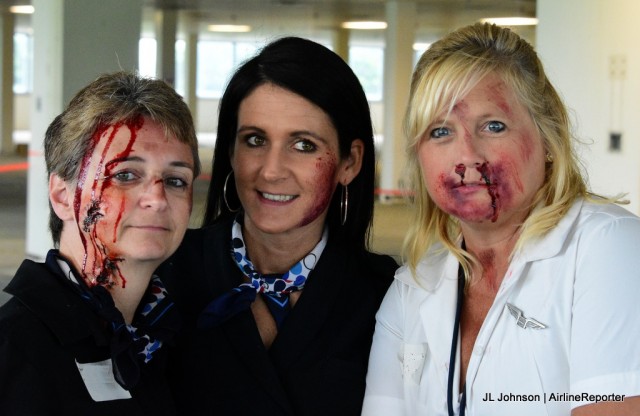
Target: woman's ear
(61, 198)
(353, 162)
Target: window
(368, 63)
(181, 66)
(22, 63)
(147, 56)
(216, 62)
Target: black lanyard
(454, 347)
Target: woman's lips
(274, 197)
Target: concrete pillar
(341, 43)
(597, 40)
(74, 42)
(191, 61)
(6, 82)
(166, 28)
(398, 65)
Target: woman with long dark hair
(279, 284)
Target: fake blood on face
(326, 171)
(104, 269)
(491, 188)
(460, 170)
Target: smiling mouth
(277, 197)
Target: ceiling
(319, 18)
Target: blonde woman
(520, 293)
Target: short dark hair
(110, 99)
(319, 75)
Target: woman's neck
(277, 253)
(493, 250)
(130, 279)
(127, 297)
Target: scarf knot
(130, 345)
(276, 288)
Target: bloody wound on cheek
(105, 264)
(324, 190)
(93, 215)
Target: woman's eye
(305, 146)
(124, 176)
(255, 141)
(439, 132)
(177, 183)
(495, 126)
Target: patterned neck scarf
(275, 288)
(156, 321)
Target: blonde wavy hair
(445, 73)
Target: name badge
(100, 382)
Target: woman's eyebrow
(123, 159)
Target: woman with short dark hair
(86, 331)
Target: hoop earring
(344, 204)
(224, 194)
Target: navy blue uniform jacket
(44, 329)
(318, 362)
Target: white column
(191, 62)
(398, 65)
(166, 28)
(341, 43)
(74, 42)
(589, 49)
(6, 83)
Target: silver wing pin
(522, 321)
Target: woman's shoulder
(600, 211)
(200, 242)
(198, 236)
(377, 269)
(381, 265)
(381, 262)
(605, 217)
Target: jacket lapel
(313, 307)
(241, 331)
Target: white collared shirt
(581, 281)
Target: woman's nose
(470, 151)
(274, 165)
(154, 195)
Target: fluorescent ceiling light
(421, 46)
(364, 25)
(511, 21)
(22, 9)
(230, 28)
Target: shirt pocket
(412, 359)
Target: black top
(44, 329)
(318, 361)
